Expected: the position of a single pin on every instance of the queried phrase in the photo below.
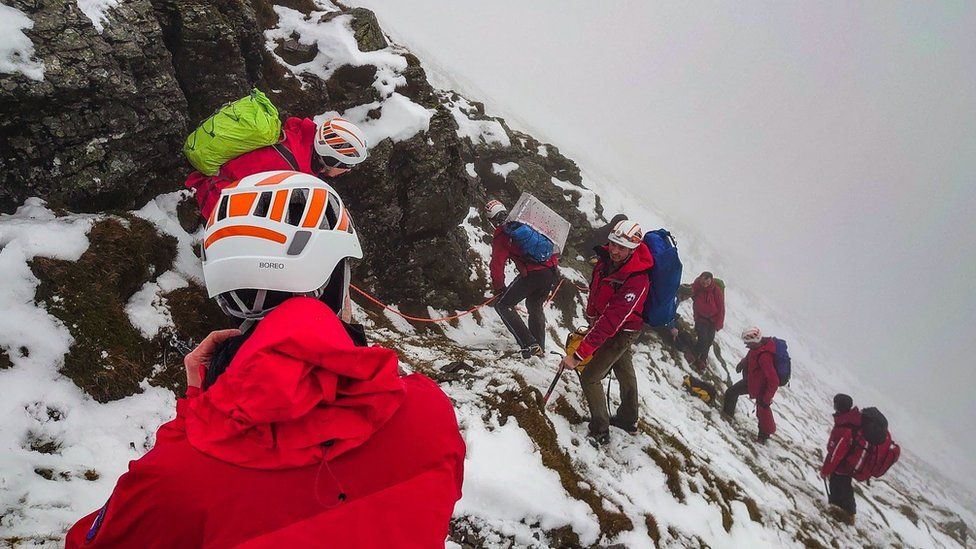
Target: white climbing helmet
(273, 235)
(494, 207)
(626, 233)
(752, 335)
(340, 143)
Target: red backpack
(877, 458)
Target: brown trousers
(616, 353)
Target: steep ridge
(100, 305)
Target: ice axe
(555, 381)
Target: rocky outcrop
(104, 128)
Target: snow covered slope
(688, 478)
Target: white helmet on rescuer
(340, 143)
(751, 335)
(626, 233)
(273, 235)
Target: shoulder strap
(286, 154)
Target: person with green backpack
(246, 137)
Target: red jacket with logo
(616, 298)
(842, 454)
(299, 138)
(305, 441)
(503, 249)
(761, 376)
(708, 303)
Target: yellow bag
(573, 341)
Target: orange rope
(418, 319)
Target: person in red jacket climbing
(533, 285)
(618, 290)
(327, 149)
(759, 380)
(708, 301)
(842, 454)
(292, 433)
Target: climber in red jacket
(759, 380)
(292, 433)
(709, 307)
(328, 149)
(842, 453)
(618, 291)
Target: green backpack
(236, 128)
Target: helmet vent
(296, 206)
(263, 205)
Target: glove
(740, 366)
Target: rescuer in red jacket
(759, 380)
(328, 149)
(708, 301)
(842, 454)
(618, 290)
(292, 433)
(533, 285)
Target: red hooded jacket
(842, 457)
(616, 298)
(709, 303)
(299, 139)
(503, 249)
(761, 376)
(306, 440)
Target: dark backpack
(662, 299)
(534, 245)
(781, 359)
(874, 426)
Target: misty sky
(827, 150)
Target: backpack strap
(286, 154)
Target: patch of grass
(652, 529)
(671, 467)
(42, 444)
(909, 513)
(523, 406)
(5, 361)
(109, 356)
(44, 472)
(91, 475)
(565, 409)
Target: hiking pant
(533, 288)
(767, 425)
(842, 493)
(616, 353)
(706, 335)
(732, 395)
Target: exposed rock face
(105, 126)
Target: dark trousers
(616, 353)
(767, 425)
(732, 395)
(706, 335)
(842, 493)
(533, 288)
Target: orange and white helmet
(626, 233)
(494, 207)
(273, 235)
(752, 335)
(340, 143)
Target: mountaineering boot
(598, 439)
(631, 429)
(533, 350)
(762, 438)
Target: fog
(827, 150)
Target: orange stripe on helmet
(336, 141)
(350, 132)
(278, 207)
(345, 151)
(274, 179)
(213, 215)
(315, 208)
(343, 223)
(245, 230)
(240, 204)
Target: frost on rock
(477, 131)
(97, 11)
(400, 119)
(16, 49)
(503, 169)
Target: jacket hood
(850, 417)
(640, 260)
(298, 391)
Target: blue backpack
(781, 359)
(534, 245)
(662, 301)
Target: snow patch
(16, 49)
(400, 119)
(469, 167)
(504, 169)
(147, 308)
(97, 11)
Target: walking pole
(826, 488)
(555, 381)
